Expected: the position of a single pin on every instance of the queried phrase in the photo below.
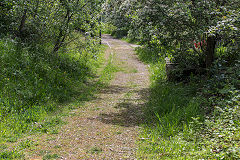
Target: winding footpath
(107, 127)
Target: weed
(128, 95)
(57, 146)
(8, 155)
(26, 144)
(109, 69)
(118, 132)
(11, 139)
(50, 156)
(3, 147)
(43, 152)
(126, 69)
(95, 150)
(134, 70)
(54, 131)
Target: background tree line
(174, 27)
(48, 21)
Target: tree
(173, 26)
(48, 21)
(119, 14)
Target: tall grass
(178, 122)
(169, 113)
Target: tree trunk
(58, 42)
(62, 36)
(22, 24)
(210, 50)
(100, 31)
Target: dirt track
(107, 127)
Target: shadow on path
(114, 89)
(130, 112)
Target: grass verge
(179, 124)
(38, 88)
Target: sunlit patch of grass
(169, 112)
(134, 70)
(26, 144)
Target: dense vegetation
(193, 110)
(46, 64)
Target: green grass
(108, 71)
(178, 124)
(37, 88)
(170, 111)
(95, 150)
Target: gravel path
(107, 127)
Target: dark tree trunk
(193, 2)
(61, 37)
(220, 2)
(210, 50)
(100, 31)
(22, 24)
(58, 42)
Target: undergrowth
(194, 120)
(38, 87)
